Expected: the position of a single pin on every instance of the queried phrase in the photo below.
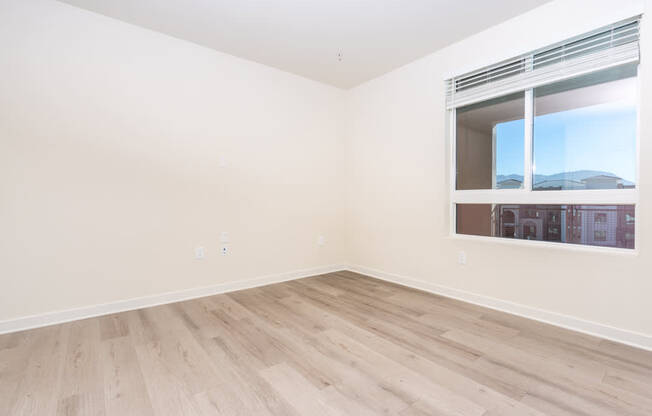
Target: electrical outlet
(461, 258)
(199, 252)
(224, 250)
(321, 240)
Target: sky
(600, 137)
(510, 154)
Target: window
(490, 140)
(600, 235)
(544, 145)
(530, 231)
(585, 132)
(513, 221)
(600, 218)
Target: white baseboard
(623, 336)
(58, 317)
(632, 338)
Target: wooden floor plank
(303, 396)
(334, 344)
(125, 392)
(36, 392)
(81, 389)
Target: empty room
(325, 207)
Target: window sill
(536, 244)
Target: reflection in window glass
(598, 225)
(585, 132)
(490, 143)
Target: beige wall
(111, 138)
(398, 183)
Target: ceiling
(305, 36)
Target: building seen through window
(599, 225)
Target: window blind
(614, 45)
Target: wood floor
(337, 344)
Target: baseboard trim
(623, 336)
(58, 317)
(632, 338)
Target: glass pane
(597, 225)
(490, 143)
(585, 132)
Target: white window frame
(526, 195)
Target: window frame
(526, 195)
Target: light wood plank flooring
(337, 344)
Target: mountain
(578, 175)
(500, 178)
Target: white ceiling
(305, 36)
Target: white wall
(110, 143)
(398, 186)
